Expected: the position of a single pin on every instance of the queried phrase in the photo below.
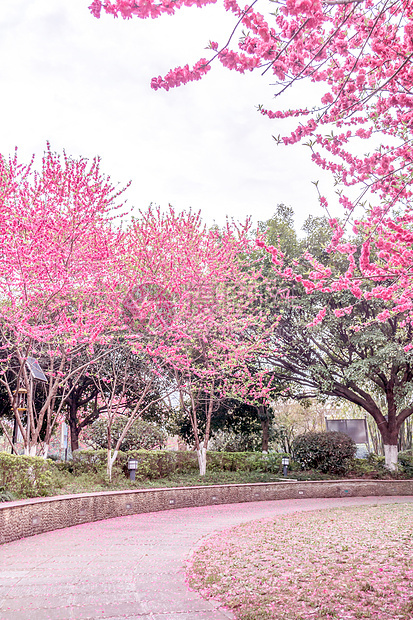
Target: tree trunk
(390, 456)
(74, 437)
(30, 450)
(265, 424)
(202, 451)
(76, 401)
(73, 425)
(111, 460)
(201, 454)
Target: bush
(151, 464)
(25, 476)
(328, 452)
(368, 468)
(406, 462)
(375, 460)
(6, 496)
(246, 461)
(187, 462)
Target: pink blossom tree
(60, 279)
(195, 302)
(72, 280)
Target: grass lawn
(87, 483)
(338, 564)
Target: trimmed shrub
(244, 461)
(152, 464)
(187, 462)
(155, 464)
(89, 461)
(328, 452)
(25, 476)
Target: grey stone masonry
(25, 518)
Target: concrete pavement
(130, 567)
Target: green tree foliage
(355, 353)
(280, 231)
(228, 441)
(236, 426)
(141, 435)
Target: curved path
(130, 567)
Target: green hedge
(25, 476)
(161, 464)
(155, 464)
(87, 461)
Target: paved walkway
(129, 567)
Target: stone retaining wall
(35, 516)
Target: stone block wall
(35, 516)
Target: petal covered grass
(344, 564)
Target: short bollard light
(132, 466)
(285, 462)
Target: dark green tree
(357, 352)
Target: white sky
(84, 85)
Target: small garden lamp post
(285, 462)
(132, 467)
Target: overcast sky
(84, 85)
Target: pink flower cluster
(318, 319)
(304, 7)
(181, 75)
(339, 312)
(142, 8)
